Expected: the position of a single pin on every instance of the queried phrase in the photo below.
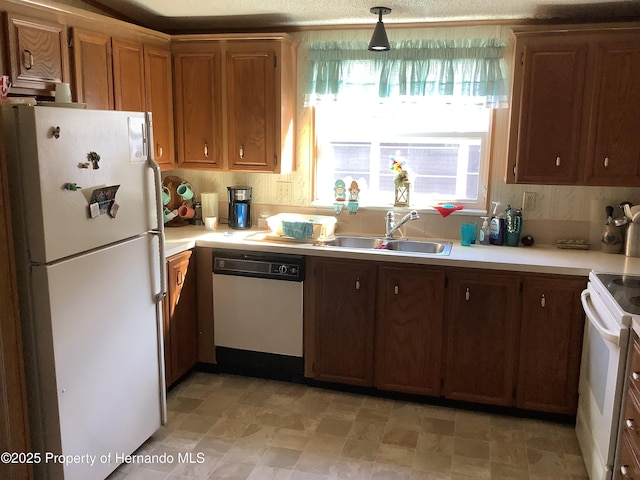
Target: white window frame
(372, 131)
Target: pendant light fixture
(379, 41)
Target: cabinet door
(92, 70)
(251, 109)
(615, 158)
(37, 53)
(199, 110)
(482, 323)
(159, 100)
(128, 76)
(339, 320)
(550, 344)
(182, 315)
(409, 330)
(547, 111)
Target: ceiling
(213, 15)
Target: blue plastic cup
(466, 234)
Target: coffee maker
(239, 206)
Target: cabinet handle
(396, 289)
(557, 161)
(241, 151)
(206, 150)
(606, 162)
(180, 277)
(159, 151)
(358, 283)
(630, 424)
(624, 470)
(543, 301)
(635, 376)
(27, 59)
(466, 295)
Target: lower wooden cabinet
(340, 307)
(482, 326)
(180, 317)
(409, 319)
(550, 344)
(481, 336)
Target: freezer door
(60, 147)
(98, 345)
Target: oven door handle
(595, 320)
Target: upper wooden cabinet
(159, 101)
(92, 69)
(574, 107)
(111, 73)
(36, 54)
(251, 86)
(128, 76)
(198, 101)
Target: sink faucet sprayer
(390, 224)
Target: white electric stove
(610, 302)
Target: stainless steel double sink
(441, 248)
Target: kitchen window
(426, 104)
(444, 148)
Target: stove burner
(627, 282)
(635, 301)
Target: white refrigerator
(87, 220)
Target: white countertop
(538, 258)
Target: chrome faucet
(390, 223)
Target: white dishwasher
(257, 310)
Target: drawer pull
(467, 295)
(606, 162)
(630, 424)
(543, 301)
(159, 150)
(635, 376)
(180, 277)
(557, 161)
(241, 152)
(206, 150)
(624, 470)
(358, 283)
(396, 289)
(27, 59)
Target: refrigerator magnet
(94, 210)
(113, 211)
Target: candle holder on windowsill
(402, 194)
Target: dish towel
(299, 230)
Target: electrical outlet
(283, 191)
(529, 201)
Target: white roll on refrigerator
(88, 231)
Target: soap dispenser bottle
(497, 227)
(485, 231)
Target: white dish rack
(323, 226)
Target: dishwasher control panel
(259, 265)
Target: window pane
(446, 166)
(351, 157)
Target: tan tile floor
(253, 429)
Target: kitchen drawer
(634, 368)
(629, 467)
(631, 419)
